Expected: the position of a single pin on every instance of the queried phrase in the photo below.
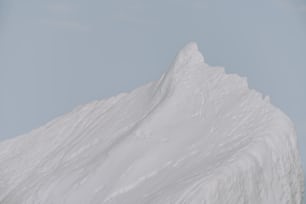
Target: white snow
(197, 135)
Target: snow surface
(197, 135)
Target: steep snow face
(197, 135)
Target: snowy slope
(197, 135)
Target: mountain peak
(189, 55)
(187, 66)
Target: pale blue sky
(58, 54)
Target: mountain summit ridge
(197, 135)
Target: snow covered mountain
(197, 135)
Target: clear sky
(58, 54)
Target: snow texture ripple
(198, 135)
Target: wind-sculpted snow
(197, 135)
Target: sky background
(58, 54)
